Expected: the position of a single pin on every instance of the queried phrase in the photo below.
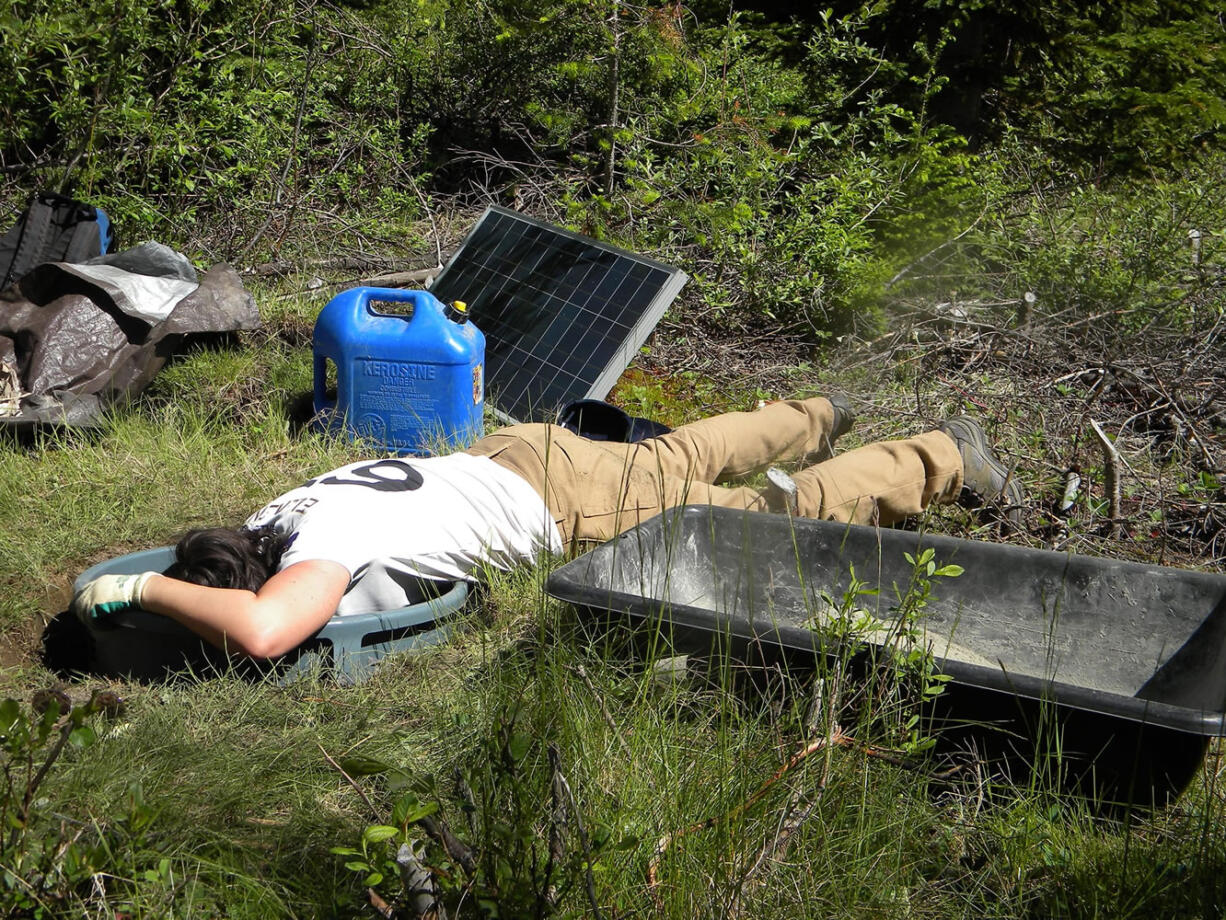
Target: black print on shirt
(289, 507)
(369, 476)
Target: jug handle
(369, 296)
(322, 403)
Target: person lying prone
(355, 539)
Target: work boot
(984, 477)
(844, 418)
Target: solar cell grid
(562, 314)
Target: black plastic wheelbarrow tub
(1119, 666)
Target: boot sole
(973, 433)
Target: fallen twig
(798, 809)
(580, 672)
(391, 279)
(1111, 477)
(836, 736)
(351, 781)
(795, 814)
(347, 263)
(398, 279)
(564, 808)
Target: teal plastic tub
(147, 646)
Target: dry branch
(351, 781)
(392, 280)
(581, 672)
(399, 279)
(564, 809)
(836, 737)
(1111, 477)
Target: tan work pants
(597, 489)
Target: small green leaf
(405, 806)
(519, 745)
(82, 737)
(423, 810)
(10, 712)
(361, 765)
(377, 833)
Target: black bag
(53, 228)
(596, 420)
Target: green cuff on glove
(109, 594)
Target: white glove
(109, 594)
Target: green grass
(241, 790)
(218, 799)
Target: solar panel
(563, 315)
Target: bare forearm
(289, 608)
(228, 618)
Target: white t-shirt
(393, 520)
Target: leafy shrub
(792, 167)
(53, 865)
(1126, 87)
(787, 188)
(1118, 250)
(193, 110)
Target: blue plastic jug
(412, 381)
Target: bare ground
(1040, 388)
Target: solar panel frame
(511, 267)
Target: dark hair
(225, 557)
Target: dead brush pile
(1117, 434)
